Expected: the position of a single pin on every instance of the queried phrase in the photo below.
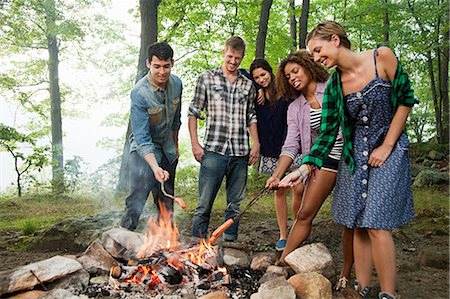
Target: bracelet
(301, 175)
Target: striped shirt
(229, 109)
(336, 151)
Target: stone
(277, 288)
(96, 260)
(430, 178)
(235, 257)
(44, 271)
(311, 285)
(77, 281)
(216, 295)
(312, 258)
(76, 234)
(60, 294)
(268, 276)
(122, 243)
(28, 295)
(99, 280)
(277, 270)
(435, 155)
(261, 261)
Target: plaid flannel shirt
(333, 115)
(229, 108)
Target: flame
(198, 256)
(161, 234)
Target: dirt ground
(423, 253)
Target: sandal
(341, 283)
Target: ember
(163, 263)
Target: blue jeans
(142, 181)
(213, 169)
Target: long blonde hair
(326, 29)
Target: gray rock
(435, 155)
(430, 178)
(235, 257)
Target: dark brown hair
(271, 90)
(314, 70)
(325, 31)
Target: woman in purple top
(299, 76)
(272, 127)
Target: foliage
(73, 172)
(14, 143)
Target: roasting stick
(178, 200)
(223, 227)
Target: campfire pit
(125, 264)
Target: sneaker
(280, 245)
(383, 295)
(365, 293)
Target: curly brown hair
(314, 70)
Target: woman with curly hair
(299, 76)
(369, 96)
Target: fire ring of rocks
(125, 264)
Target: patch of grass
(28, 227)
(34, 212)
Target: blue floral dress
(373, 197)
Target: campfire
(162, 262)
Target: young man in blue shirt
(155, 122)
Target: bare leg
(320, 185)
(347, 244)
(363, 257)
(384, 257)
(297, 193)
(281, 210)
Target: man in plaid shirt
(228, 99)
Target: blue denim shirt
(155, 116)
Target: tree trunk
(437, 112)
(55, 99)
(444, 83)
(293, 24)
(386, 21)
(262, 30)
(149, 35)
(303, 24)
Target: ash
(244, 282)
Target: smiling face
(296, 76)
(262, 77)
(324, 51)
(159, 71)
(232, 59)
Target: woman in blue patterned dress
(369, 97)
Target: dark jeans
(213, 169)
(142, 181)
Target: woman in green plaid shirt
(369, 97)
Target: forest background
(65, 64)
